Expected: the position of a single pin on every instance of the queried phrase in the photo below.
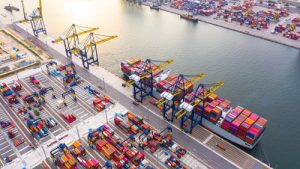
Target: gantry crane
(143, 84)
(88, 49)
(36, 19)
(187, 110)
(176, 92)
(70, 37)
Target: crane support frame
(199, 100)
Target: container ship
(234, 123)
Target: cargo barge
(189, 17)
(234, 123)
(154, 7)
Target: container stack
(89, 164)
(244, 127)
(105, 148)
(128, 127)
(230, 117)
(235, 125)
(168, 84)
(136, 119)
(255, 131)
(63, 158)
(213, 107)
(37, 128)
(129, 66)
(205, 7)
(136, 66)
(244, 124)
(78, 149)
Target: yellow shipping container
(76, 144)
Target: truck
(16, 86)
(174, 163)
(50, 122)
(5, 124)
(98, 105)
(12, 99)
(10, 134)
(35, 82)
(70, 117)
(178, 150)
(18, 142)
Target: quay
(209, 149)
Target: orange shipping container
(212, 96)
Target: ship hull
(188, 18)
(228, 136)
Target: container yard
(54, 100)
(250, 17)
(61, 108)
(14, 56)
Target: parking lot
(161, 154)
(82, 91)
(72, 106)
(56, 130)
(9, 146)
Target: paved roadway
(209, 157)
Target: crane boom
(196, 78)
(213, 88)
(72, 36)
(159, 67)
(193, 80)
(165, 64)
(77, 50)
(205, 94)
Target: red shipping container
(262, 122)
(247, 112)
(238, 109)
(249, 140)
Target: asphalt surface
(209, 157)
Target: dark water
(260, 75)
